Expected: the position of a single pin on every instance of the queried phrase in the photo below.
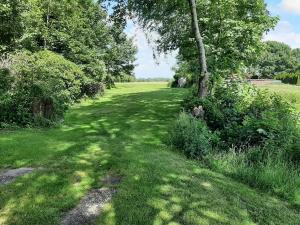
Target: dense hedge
(38, 88)
(289, 78)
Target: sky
(288, 28)
(146, 65)
(287, 31)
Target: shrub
(183, 70)
(43, 85)
(246, 116)
(192, 136)
(5, 81)
(289, 78)
(91, 88)
(259, 137)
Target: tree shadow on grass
(95, 141)
(183, 193)
(124, 134)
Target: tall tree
(203, 78)
(232, 30)
(11, 26)
(79, 30)
(278, 58)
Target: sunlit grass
(289, 92)
(124, 132)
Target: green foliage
(92, 51)
(246, 116)
(120, 56)
(192, 136)
(5, 80)
(291, 93)
(91, 88)
(278, 58)
(81, 31)
(124, 77)
(232, 30)
(183, 70)
(289, 78)
(272, 173)
(41, 87)
(10, 23)
(259, 137)
(82, 34)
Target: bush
(258, 133)
(246, 116)
(42, 86)
(91, 88)
(192, 136)
(289, 78)
(183, 70)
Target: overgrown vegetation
(245, 115)
(258, 133)
(193, 137)
(63, 50)
(289, 92)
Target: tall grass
(274, 174)
(273, 167)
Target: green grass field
(124, 133)
(289, 92)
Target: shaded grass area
(124, 132)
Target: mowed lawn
(124, 133)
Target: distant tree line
(54, 52)
(275, 60)
(278, 58)
(153, 79)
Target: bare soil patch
(8, 176)
(89, 207)
(109, 180)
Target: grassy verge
(276, 175)
(123, 132)
(289, 92)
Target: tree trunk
(47, 24)
(203, 77)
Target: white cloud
(284, 32)
(146, 65)
(292, 6)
